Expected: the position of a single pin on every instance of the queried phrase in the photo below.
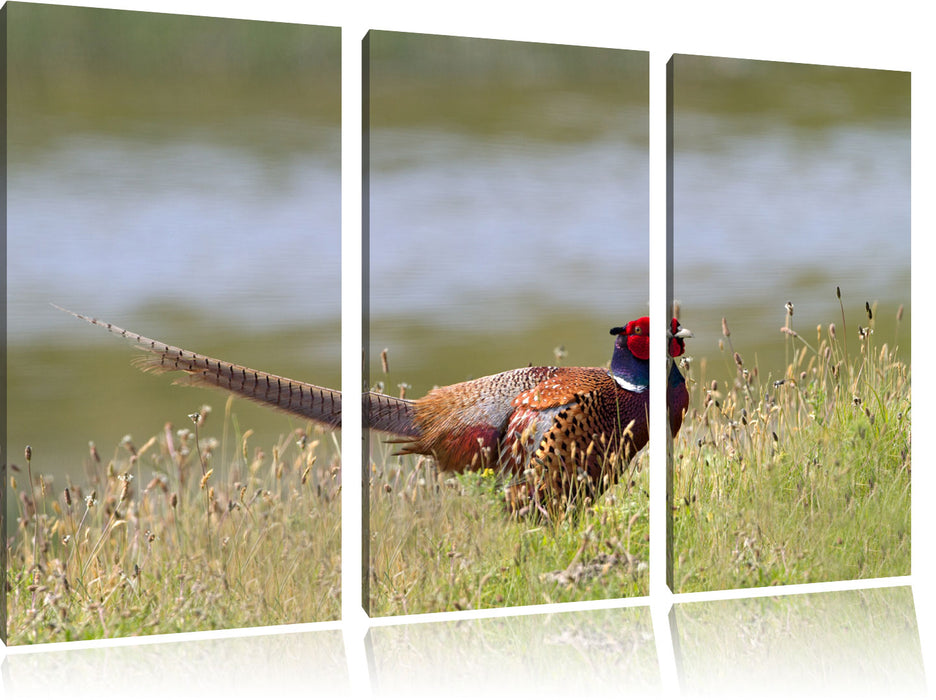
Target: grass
(797, 477)
(443, 542)
(172, 536)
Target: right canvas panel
(790, 263)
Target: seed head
(28, 453)
(724, 328)
(868, 309)
(127, 442)
(204, 479)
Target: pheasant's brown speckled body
(545, 426)
(554, 431)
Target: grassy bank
(799, 475)
(172, 535)
(442, 542)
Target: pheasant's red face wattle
(638, 337)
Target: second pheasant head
(676, 338)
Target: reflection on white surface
(571, 654)
(847, 643)
(850, 643)
(267, 666)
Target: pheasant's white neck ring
(629, 386)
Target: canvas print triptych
(173, 206)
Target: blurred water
(516, 229)
(108, 223)
(762, 218)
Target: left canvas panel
(178, 177)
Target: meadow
(184, 531)
(797, 475)
(443, 542)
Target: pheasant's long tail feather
(316, 403)
(389, 414)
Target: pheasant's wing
(568, 427)
(552, 420)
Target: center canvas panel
(506, 230)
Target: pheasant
(555, 430)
